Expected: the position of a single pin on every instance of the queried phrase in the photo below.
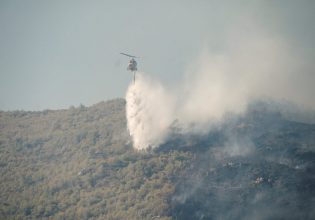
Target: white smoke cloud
(253, 66)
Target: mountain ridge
(79, 164)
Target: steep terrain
(79, 164)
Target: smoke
(249, 67)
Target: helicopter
(132, 65)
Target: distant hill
(79, 164)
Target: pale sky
(54, 54)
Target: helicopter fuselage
(132, 65)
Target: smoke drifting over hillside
(252, 67)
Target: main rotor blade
(129, 55)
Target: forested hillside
(79, 164)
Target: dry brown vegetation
(79, 164)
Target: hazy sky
(54, 54)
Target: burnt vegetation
(79, 164)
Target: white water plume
(149, 112)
